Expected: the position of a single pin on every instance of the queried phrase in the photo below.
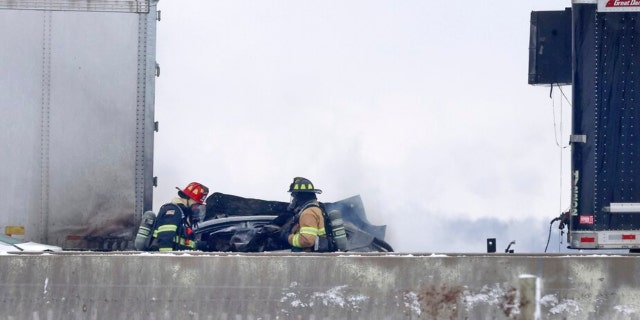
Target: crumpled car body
(234, 223)
(9, 244)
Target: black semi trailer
(604, 41)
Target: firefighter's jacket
(309, 226)
(173, 229)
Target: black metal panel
(606, 110)
(491, 245)
(582, 160)
(550, 47)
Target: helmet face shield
(292, 203)
(198, 212)
(299, 200)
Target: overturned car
(234, 223)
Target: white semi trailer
(77, 82)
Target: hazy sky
(420, 107)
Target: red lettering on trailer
(586, 219)
(622, 3)
(587, 239)
(74, 237)
(628, 237)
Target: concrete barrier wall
(72, 285)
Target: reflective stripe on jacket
(171, 229)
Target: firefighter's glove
(284, 237)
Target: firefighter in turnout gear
(175, 221)
(308, 232)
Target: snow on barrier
(133, 285)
